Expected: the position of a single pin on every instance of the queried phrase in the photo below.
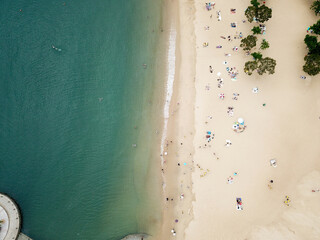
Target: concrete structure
(23, 237)
(10, 218)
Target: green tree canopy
(264, 44)
(316, 7)
(312, 44)
(256, 55)
(316, 27)
(262, 66)
(248, 43)
(250, 66)
(255, 3)
(266, 65)
(251, 13)
(312, 65)
(264, 14)
(260, 14)
(256, 30)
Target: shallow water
(68, 118)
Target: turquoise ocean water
(68, 118)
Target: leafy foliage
(256, 30)
(312, 44)
(266, 65)
(260, 14)
(262, 66)
(249, 42)
(251, 13)
(264, 14)
(312, 65)
(264, 44)
(255, 3)
(316, 27)
(256, 55)
(312, 60)
(250, 66)
(316, 7)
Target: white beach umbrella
(255, 90)
(241, 121)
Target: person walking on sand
(228, 143)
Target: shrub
(256, 30)
(264, 44)
(256, 55)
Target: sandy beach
(178, 150)
(281, 114)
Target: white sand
(287, 128)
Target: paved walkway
(10, 217)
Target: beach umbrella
(273, 163)
(255, 90)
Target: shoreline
(177, 164)
(149, 212)
(171, 59)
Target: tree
(248, 43)
(256, 55)
(312, 65)
(263, 14)
(316, 7)
(264, 44)
(260, 14)
(250, 66)
(262, 65)
(312, 44)
(316, 27)
(266, 65)
(255, 3)
(256, 30)
(251, 13)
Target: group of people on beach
(233, 73)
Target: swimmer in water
(55, 48)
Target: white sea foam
(171, 68)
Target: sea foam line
(171, 67)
